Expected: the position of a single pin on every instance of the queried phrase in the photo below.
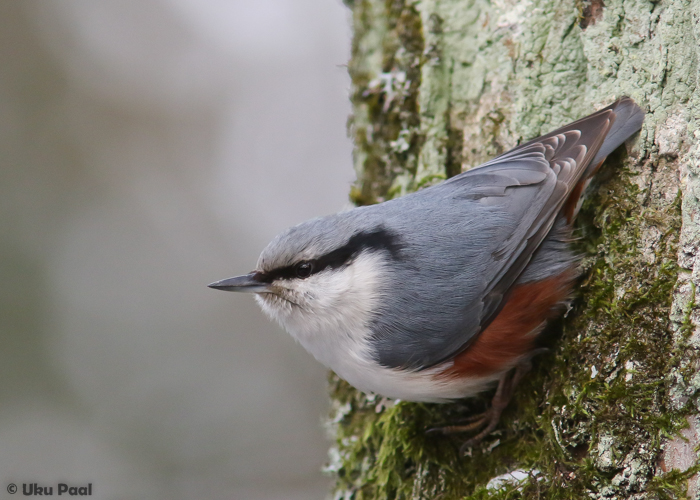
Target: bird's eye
(304, 269)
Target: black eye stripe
(379, 239)
(291, 272)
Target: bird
(440, 295)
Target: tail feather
(628, 120)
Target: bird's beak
(251, 283)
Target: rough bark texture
(440, 86)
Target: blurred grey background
(148, 148)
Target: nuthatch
(441, 293)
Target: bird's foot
(488, 420)
(464, 425)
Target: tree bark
(440, 86)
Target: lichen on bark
(442, 85)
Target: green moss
(592, 416)
(687, 327)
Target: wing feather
(525, 188)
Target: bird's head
(322, 276)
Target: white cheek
(341, 298)
(331, 310)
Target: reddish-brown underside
(512, 334)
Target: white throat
(333, 310)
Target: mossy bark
(440, 86)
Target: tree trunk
(440, 86)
